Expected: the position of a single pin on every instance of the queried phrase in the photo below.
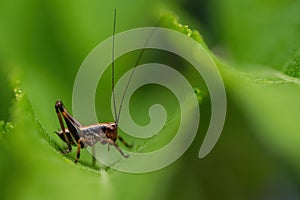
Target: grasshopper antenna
(113, 65)
(131, 75)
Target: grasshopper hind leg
(59, 108)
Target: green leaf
(5, 129)
(258, 31)
(36, 166)
(253, 157)
(292, 67)
(270, 101)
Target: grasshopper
(83, 136)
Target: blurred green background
(256, 46)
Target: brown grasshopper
(84, 136)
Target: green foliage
(292, 67)
(257, 52)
